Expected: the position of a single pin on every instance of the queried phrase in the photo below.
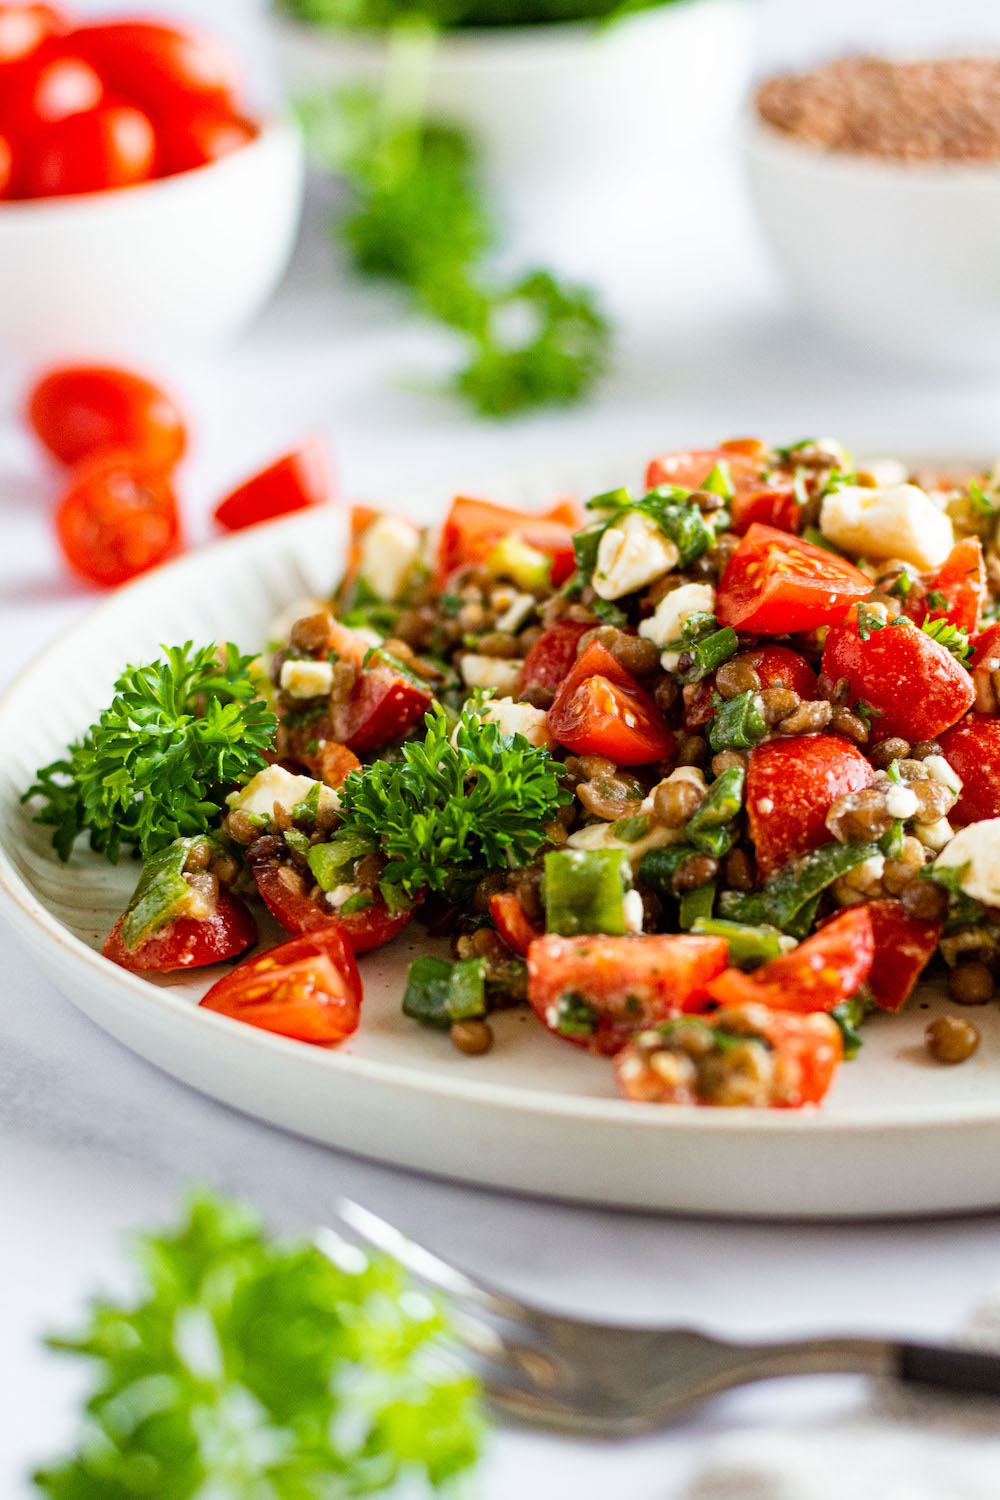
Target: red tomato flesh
(631, 982)
(776, 666)
(308, 989)
(81, 410)
(972, 749)
(790, 785)
(962, 580)
(293, 482)
(774, 503)
(601, 710)
(23, 29)
(289, 903)
(511, 922)
(827, 968)
(110, 147)
(915, 684)
(904, 946)
(776, 584)
(116, 519)
(187, 942)
(548, 662)
(812, 1042)
(472, 529)
(6, 167)
(157, 65)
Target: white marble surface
(94, 1141)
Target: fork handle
(954, 1368)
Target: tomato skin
(308, 989)
(632, 982)
(773, 503)
(6, 167)
(962, 580)
(601, 710)
(986, 650)
(113, 146)
(511, 922)
(117, 518)
(297, 913)
(472, 529)
(295, 481)
(972, 749)
(45, 87)
(196, 133)
(776, 666)
(776, 584)
(827, 968)
(187, 943)
(154, 64)
(904, 946)
(24, 27)
(383, 707)
(915, 683)
(78, 411)
(790, 785)
(550, 658)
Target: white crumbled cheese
(275, 784)
(632, 909)
(340, 893)
(631, 554)
(900, 801)
(517, 611)
(934, 835)
(280, 627)
(976, 850)
(599, 836)
(899, 522)
(765, 804)
(519, 718)
(490, 672)
(938, 769)
(389, 548)
(306, 679)
(886, 472)
(666, 624)
(868, 871)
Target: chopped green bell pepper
(738, 724)
(439, 993)
(710, 828)
(748, 946)
(796, 885)
(696, 905)
(585, 891)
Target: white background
(94, 1141)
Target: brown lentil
(312, 632)
(696, 870)
(490, 885)
(499, 643)
(736, 676)
(934, 800)
(241, 827)
(198, 857)
(639, 657)
(691, 750)
(471, 1037)
(923, 749)
(971, 983)
(741, 873)
(859, 816)
(848, 726)
(777, 703)
(610, 797)
(674, 802)
(951, 1039)
(883, 754)
(808, 718)
(666, 695)
(727, 760)
(924, 899)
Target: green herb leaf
(952, 637)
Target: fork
(606, 1380)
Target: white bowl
(179, 264)
(902, 260)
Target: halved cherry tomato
(187, 942)
(972, 749)
(289, 902)
(777, 584)
(308, 989)
(472, 529)
(117, 518)
(511, 922)
(45, 87)
(776, 666)
(790, 785)
(904, 946)
(383, 706)
(80, 410)
(601, 710)
(827, 968)
(627, 982)
(6, 167)
(914, 683)
(550, 658)
(773, 502)
(298, 479)
(194, 133)
(24, 27)
(962, 580)
(110, 147)
(154, 64)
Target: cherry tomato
(827, 968)
(601, 710)
(116, 519)
(110, 147)
(293, 482)
(773, 502)
(904, 946)
(308, 989)
(972, 749)
(790, 785)
(289, 902)
(986, 650)
(550, 658)
(194, 133)
(776, 666)
(776, 584)
(187, 942)
(81, 410)
(155, 64)
(46, 87)
(628, 982)
(472, 529)
(512, 923)
(24, 27)
(962, 581)
(6, 167)
(913, 682)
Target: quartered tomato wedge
(601, 710)
(790, 785)
(776, 666)
(904, 946)
(772, 502)
(914, 684)
(776, 584)
(827, 968)
(972, 749)
(962, 581)
(78, 411)
(187, 942)
(548, 662)
(298, 479)
(286, 897)
(596, 991)
(308, 989)
(472, 529)
(511, 922)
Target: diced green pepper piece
(467, 989)
(720, 482)
(849, 1015)
(696, 905)
(738, 724)
(439, 993)
(709, 652)
(795, 886)
(748, 946)
(297, 840)
(516, 559)
(613, 500)
(331, 862)
(585, 545)
(575, 1016)
(801, 924)
(659, 866)
(709, 829)
(161, 893)
(360, 902)
(681, 521)
(585, 891)
(891, 842)
(631, 830)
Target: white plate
(898, 1135)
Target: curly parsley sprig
(177, 731)
(455, 805)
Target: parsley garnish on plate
(177, 731)
(252, 1369)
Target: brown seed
(706, 500)
(471, 1037)
(777, 703)
(666, 695)
(727, 760)
(610, 797)
(925, 748)
(696, 870)
(971, 983)
(691, 750)
(808, 718)
(848, 726)
(737, 676)
(312, 632)
(490, 885)
(674, 802)
(198, 857)
(639, 657)
(499, 643)
(894, 748)
(741, 873)
(934, 800)
(924, 899)
(950, 1039)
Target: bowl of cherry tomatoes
(141, 206)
